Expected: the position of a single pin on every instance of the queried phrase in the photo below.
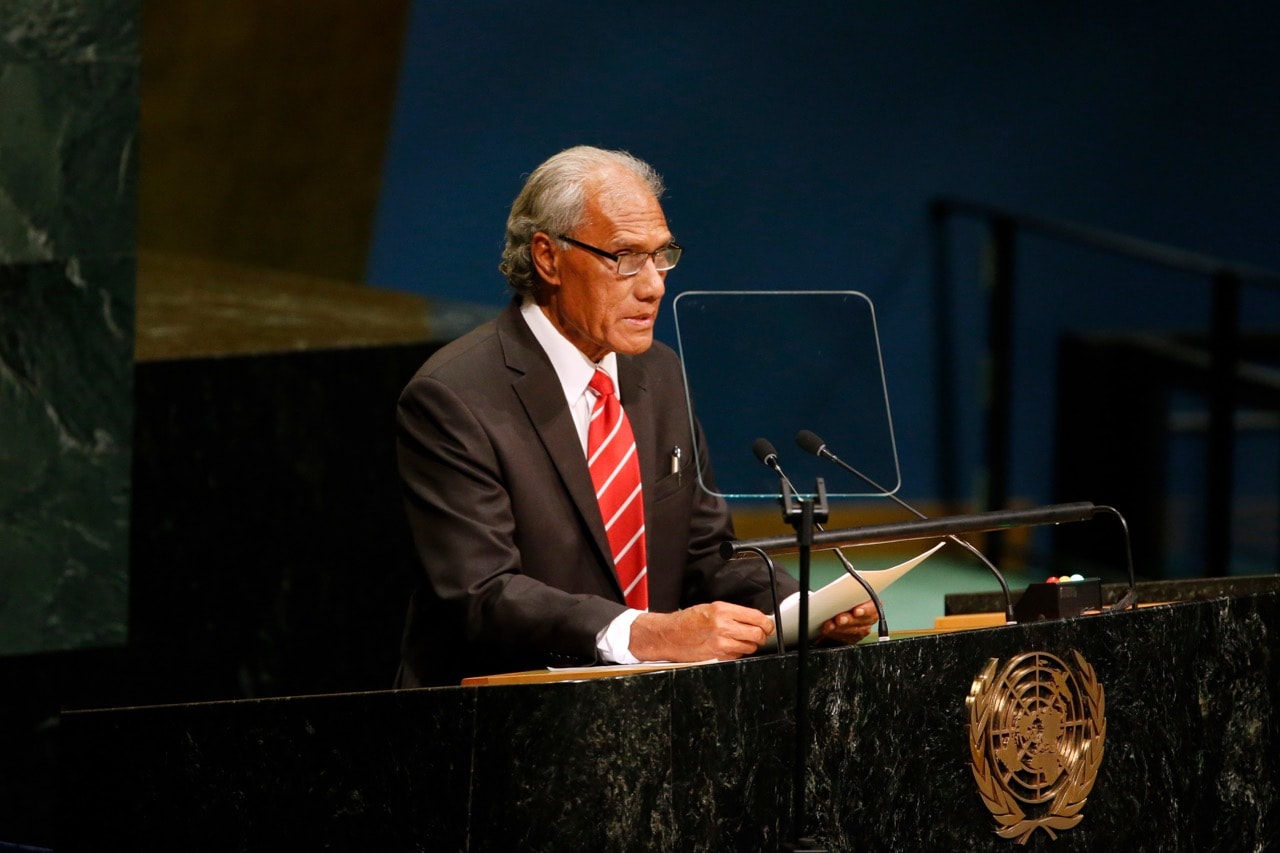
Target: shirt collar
(572, 367)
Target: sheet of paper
(843, 593)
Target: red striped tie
(615, 471)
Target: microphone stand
(810, 442)
(802, 513)
(769, 457)
(773, 589)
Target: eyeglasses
(630, 263)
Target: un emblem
(1036, 733)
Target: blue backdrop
(801, 146)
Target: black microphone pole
(773, 588)
(811, 443)
(765, 452)
(802, 513)
(1130, 598)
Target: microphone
(811, 443)
(1130, 598)
(764, 451)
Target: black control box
(1058, 600)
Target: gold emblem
(1036, 733)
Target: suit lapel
(540, 392)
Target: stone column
(68, 167)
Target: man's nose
(650, 283)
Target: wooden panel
(263, 129)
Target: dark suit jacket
(502, 510)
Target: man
(522, 567)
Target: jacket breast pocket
(672, 484)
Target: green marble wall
(68, 200)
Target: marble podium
(700, 758)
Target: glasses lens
(667, 258)
(630, 263)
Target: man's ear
(542, 250)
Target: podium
(699, 758)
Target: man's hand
(851, 626)
(717, 630)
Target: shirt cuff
(614, 642)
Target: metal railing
(1225, 279)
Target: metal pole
(1220, 450)
(944, 359)
(999, 401)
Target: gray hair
(552, 201)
